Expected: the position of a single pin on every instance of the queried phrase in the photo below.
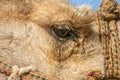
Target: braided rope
(33, 75)
(108, 16)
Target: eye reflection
(63, 33)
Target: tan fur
(26, 38)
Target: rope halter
(108, 15)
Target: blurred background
(94, 3)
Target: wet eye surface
(63, 31)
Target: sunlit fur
(26, 38)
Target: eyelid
(68, 31)
(59, 32)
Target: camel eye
(62, 32)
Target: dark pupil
(64, 33)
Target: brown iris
(63, 33)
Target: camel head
(56, 38)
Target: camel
(54, 37)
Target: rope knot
(109, 10)
(17, 72)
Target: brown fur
(26, 38)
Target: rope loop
(18, 72)
(109, 10)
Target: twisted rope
(108, 15)
(33, 75)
